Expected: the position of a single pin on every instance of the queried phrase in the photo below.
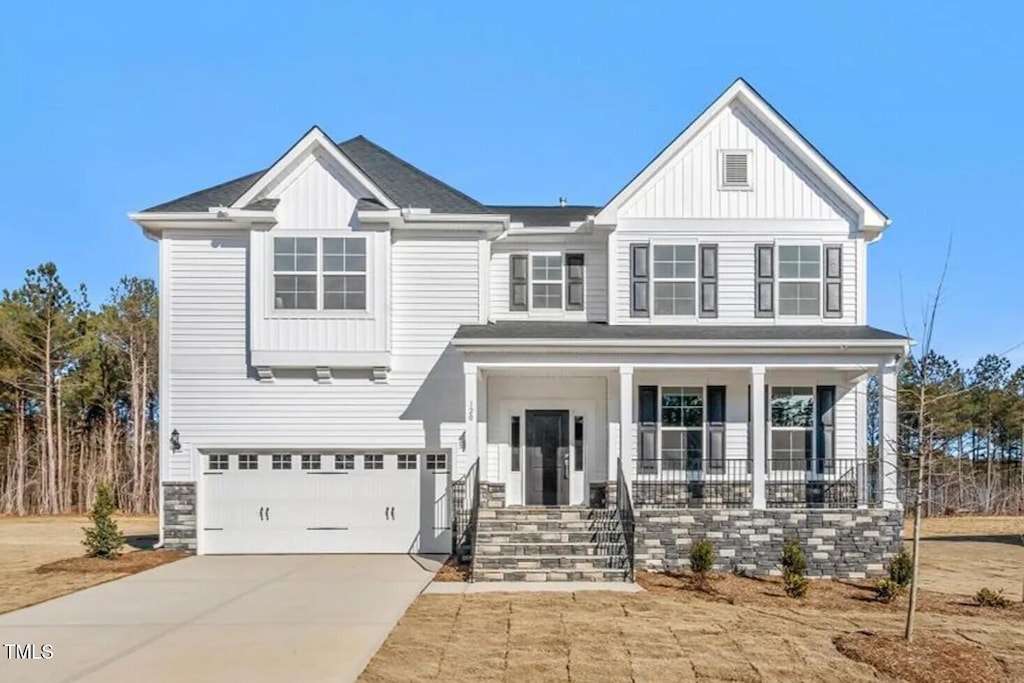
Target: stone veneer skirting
(837, 543)
(180, 515)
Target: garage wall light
(175, 441)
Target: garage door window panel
(310, 462)
(218, 462)
(281, 462)
(437, 461)
(248, 461)
(373, 462)
(407, 461)
(344, 462)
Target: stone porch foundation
(837, 543)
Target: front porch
(784, 435)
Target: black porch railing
(692, 483)
(625, 509)
(819, 483)
(719, 484)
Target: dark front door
(547, 457)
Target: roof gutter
(425, 219)
(219, 218)
(900, 345)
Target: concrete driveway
(287, 618)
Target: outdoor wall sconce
(175, 441)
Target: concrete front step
(545, 562)
(558, 549)
(550, 575)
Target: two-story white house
(344, 337)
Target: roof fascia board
(783, 345)
(155, 223)
(868, 215)
(315, 139)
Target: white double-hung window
(799, 280)
(546, 281)
(319, 274)
(792, 428)
(675, 279)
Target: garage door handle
(268, 513)
(392, 513)
(261, 513)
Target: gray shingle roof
(546, 216)
(557, 330)
(406, 185)
(403, 183)
(224, 194)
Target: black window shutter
(764, 281)
(574, 282)
(709, 281)
(647, 423)
(639, 281)
(716, 428)
(825, 428)
(833, 272)
(518, 281)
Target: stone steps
(543, 562)
(549, 543)
(559, 549)
(551, 575)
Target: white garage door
(325, 503)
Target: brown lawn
(739, 630)
(29, 543)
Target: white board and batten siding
(683, 202)
(595, 276)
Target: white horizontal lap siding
(687, 186)
(316, 199)
(434, 289)
(206, 275)
(736, 241)
(595, 262)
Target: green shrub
(794, 569)
(702, 558)
(987, 597)
(901, 569)
(888, 590)
(103, 539)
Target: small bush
(888, 590)
(103, 539)
(794, 569)
(702, 558)
(901, 569)
(987, 597)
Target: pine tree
(104, 539)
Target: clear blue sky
(112, 107)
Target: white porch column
(470, 447)
(491, 467)
(626, 433)
(757, 436)
(887, 426)
(612, 406)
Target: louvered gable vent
(735, 169)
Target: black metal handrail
(474, 516)
(692, 482)
(625, 508)
(465, 503)
(814, 483)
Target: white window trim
(530, 280)
(818, 280)
(652, 245)
(275, 313)
(787, 475)
(749, 153)
(683, 429)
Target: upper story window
(326, 274)
(546, 282)
(734, 169)
(546, 271)
(799, 280)
(675, 279)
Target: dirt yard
(27, 543)
(746, 630)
